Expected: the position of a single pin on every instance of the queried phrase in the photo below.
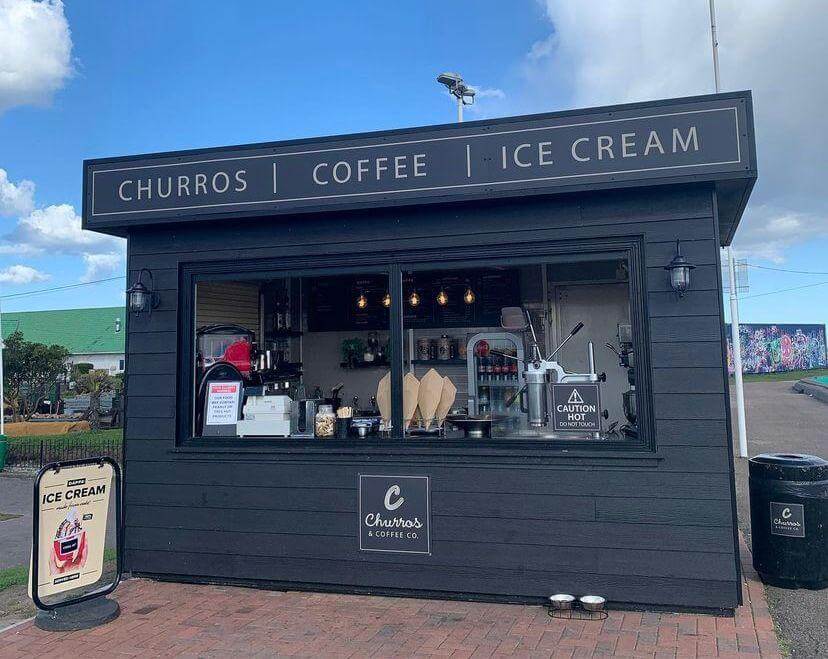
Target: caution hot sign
(576, 407)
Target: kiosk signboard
(652, 143)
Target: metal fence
(33, 452)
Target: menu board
(332, 301)
(375, 315)
(421, 315)
(73, 506)
(496, 290)
(455, 312)
(325, 304)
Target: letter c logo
(393, 490)
(786, 512)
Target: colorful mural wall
(778, 348)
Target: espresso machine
(539, 371)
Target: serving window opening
(541, 352)
(292, 357)
(538, 352)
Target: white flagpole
(735, 340)
(736, 343)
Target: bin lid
(789, 467)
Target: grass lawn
(13, 576)
(783, 377)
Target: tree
(79, 369)
(30, 371)
(95, 383)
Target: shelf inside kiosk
(536, 352)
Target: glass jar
(325, 422)
(444, 347)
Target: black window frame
(393, 264)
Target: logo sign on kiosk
(71, 511)
(576, 407)
(395, 514)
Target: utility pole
(735, 339)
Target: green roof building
(92, 336)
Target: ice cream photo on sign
(69, 548)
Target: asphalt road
(15, 534)
(781, 421)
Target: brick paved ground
(208, 621)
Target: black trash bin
(788, 519)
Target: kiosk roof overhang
(676, 141)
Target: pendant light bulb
(386, 300)
(442, 298)
(362, 301)
(468, 296)
(414, 299)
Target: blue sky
(157, 76)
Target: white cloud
(35, 51)
(99, 266)
(57, 228)
(769, 231)
(489, 92)
(21, 274)
(15, 198)
(488, 102)
(634, 50)
(19, 249)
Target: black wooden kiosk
(286, 268)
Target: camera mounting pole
(459, 89)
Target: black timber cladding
(704, 138)
(649, 528)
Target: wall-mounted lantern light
(679, 269)
(140, 297)
(362, 301)
(386, 300)
(442, 297)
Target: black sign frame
(426, 514)
(457, 169)
(595, 426)
(119, 532)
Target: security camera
(457, 87)
(449, 79)
(467, 95)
